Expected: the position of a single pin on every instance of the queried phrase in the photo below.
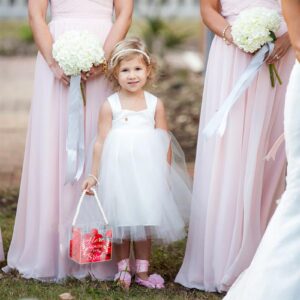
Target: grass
(166, 260)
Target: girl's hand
(88, 184)
(95, 71)
(59, 73)
(282, 45)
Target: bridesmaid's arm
(123, 11)
(37, 10)
(161, 122)
(291, 12)
(212, 18)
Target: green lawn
(166, 261)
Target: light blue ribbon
(218, 122)
(75, 132)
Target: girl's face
(133, 74)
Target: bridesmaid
(235, 189)
(39, 247)
(275, 270)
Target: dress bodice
(81, 8)
(231, 8)
(130, 119)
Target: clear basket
(91, 240)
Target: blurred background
(173, 33)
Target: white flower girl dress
(142, 195)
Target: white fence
(164, 8)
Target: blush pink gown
(235, 188)
(39, 247)
(1, 248)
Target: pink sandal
(154, 281)
(123, 276)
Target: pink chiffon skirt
(39, 247)
(1, 248)
(235, 188)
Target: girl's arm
(161, 122)
(37, 10)
(212, 18)
(291, 12)
(104, 126)
(123, 12)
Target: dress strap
(114, 103)
(151, 102)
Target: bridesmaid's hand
(282, 45)
(59, 73)
(95, 71)
(228, 36)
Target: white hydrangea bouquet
(254, 28)
(76, 52)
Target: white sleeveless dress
(275, 270)
(143, 196)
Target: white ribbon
(218, 122)
(75, 132)
(98, 203)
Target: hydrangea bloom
(77, 51)
(255, 27)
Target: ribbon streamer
(274, 149)
(218, 122)
(75, 132)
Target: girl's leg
(142, 252)
(122, 252)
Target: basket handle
(98, 203)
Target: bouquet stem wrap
(218, 122)
(75, 132)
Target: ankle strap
(123, 265)
(141, 265)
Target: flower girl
(138, 166)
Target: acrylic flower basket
(90, 243)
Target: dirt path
(16, 82)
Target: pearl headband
(129, 50)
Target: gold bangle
(223, 34)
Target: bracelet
(95, 178)
(223, 34)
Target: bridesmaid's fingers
(65, 82)
(66, 78)
(273, 58)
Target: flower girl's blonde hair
(128, 49)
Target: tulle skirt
(142, 195)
